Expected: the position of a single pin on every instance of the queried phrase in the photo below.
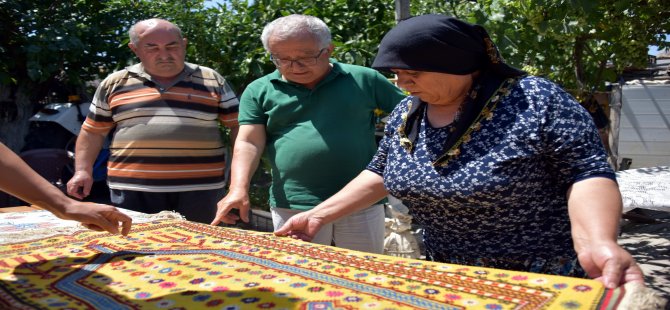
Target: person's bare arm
(87, 149)
(249, 146)
(363, 191)
(595, 208)
(20, 180)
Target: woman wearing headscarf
(501, 169)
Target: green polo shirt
(317, 139)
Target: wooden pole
(401, 10)
(615, 104)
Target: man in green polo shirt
(313, 118)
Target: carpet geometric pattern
(177, 264)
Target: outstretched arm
(247, 151)
(595, 207)
(363, 191)
(20, 180)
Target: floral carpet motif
(176, 264)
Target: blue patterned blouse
(501, 202)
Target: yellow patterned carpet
(176, 264)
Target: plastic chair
(49, 163)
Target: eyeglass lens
(303, 62)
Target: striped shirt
(166, 137)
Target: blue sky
(212, 3)
(653, 50)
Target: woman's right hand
(610, 264)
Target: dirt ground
(649, 243)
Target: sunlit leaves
(72, 42)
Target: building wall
(644, 132)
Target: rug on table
(177, 264)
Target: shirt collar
(138, 69)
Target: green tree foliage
(51, 49)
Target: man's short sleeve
(251, 109)
(228, 103)
(388, 95)
(99, 119)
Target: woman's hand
(610, 264)
(594, 205)
(304, 226)
(358, 194)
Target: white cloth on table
(645, 188)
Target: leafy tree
(42, 58)
(52, 49)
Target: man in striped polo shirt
(167, 151)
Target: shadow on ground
(649, 243)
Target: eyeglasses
(303, 62)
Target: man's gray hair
(295, 24)
(135, 37)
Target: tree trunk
(16, 110)
(577, 58)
